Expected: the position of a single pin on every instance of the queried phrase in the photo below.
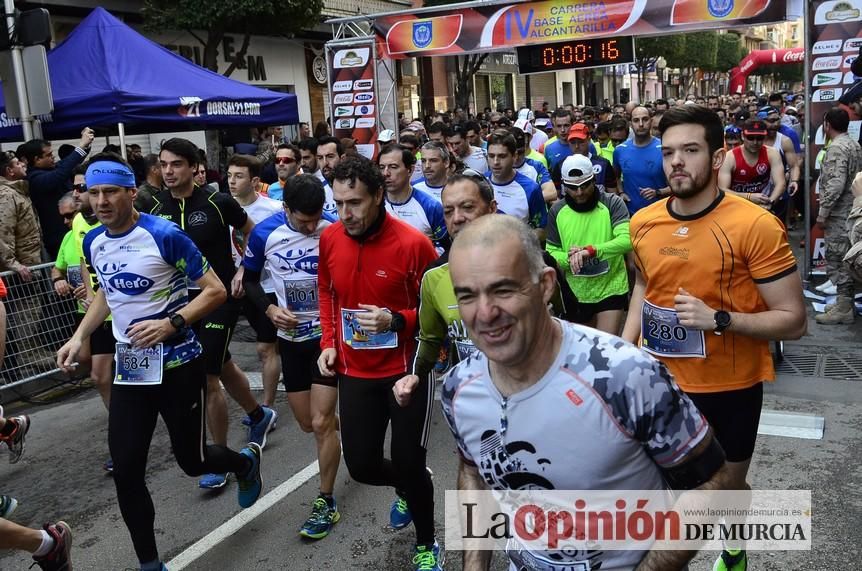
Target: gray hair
(68, 197)
(489, 230)
(439, 147)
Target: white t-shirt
(262, 208)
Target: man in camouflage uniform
(843, 159)
(853, 258)
(20, 237)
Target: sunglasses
(755, 139)
(284, 161)
(69, 215)
(79, 188)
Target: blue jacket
(47, 186)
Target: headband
(109, 172)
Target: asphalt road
(61, 476)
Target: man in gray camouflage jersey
(628, 426)
(842, 161)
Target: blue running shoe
(257, 432)
(213, 481)
(425, 559)
(7, 506)
(399, 514)
(108, 466)
(246, 421)
(251, 483)
(323, 517)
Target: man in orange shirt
(715, 282)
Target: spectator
(321, 129)
(152, 183)
(304, 132)
(136, 159)
(49, 181)
(20, 239)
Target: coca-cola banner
(758, 58)
(835, 36)
(353, 92)
(497, 25)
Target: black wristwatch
(722, 321)
(178, 321)
(398, 322)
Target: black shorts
(214, 333)
(258, 320)
(734, 416)
(299, 365)
(587, 311)
(102, 340)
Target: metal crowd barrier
(38, 323)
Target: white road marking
(791, 424)
(244, 517)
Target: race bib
(138, 366)
(357, 338)
(301, 295)
(593, 268)
(662, 335)
(464, 349)
(74, 276)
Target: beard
(689, 187)
(583, 206)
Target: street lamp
(660, 66)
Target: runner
(475, 158)
(243, 177)
(638, 162)
(557, 149)
(369, 272)
(588, 236)
(207, 217)
(435, 167)
(506, 403)
(753, 170)
(516, 194)
(715, 282)
(532, 169)
(329, 153)
(419, 210)
(308, 157)
(287, 164)
(286, 246)
(160, 368)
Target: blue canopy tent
(105, 75)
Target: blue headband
(109, 172)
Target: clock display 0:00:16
(578, 53)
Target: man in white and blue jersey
(412, 206)
(435, 167)
(473, 157)
(285, 246)
(516, 195)
(532, 168)
(142, 264)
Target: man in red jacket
(368, 278)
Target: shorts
(733, 416)
(587, 311)
(299, 365)
(214, 332)
(102, 340)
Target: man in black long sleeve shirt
(49, 181)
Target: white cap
(525, 126)
(525, 113)
(386, 136)
(576, 170)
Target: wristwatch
(178, 321)
(722, 321)
(398, 322)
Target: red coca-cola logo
(792, 57)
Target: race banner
(835, 36)
(353, 93)
(496, 26)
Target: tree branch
(197, 37)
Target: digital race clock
(576, 54)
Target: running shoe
(250, 485)
(59, 559)
(15, 441)
(213, 481)
(425, 559)
(108, 466)
(323, 517)
(731, 560)
(257, 432)
(246, 421)
(399, 514)
(7, 506)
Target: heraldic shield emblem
(421, 34)
(719, 8)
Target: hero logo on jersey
(299, 259)
(123, 282)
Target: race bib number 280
(662, 334)
(138, 366)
